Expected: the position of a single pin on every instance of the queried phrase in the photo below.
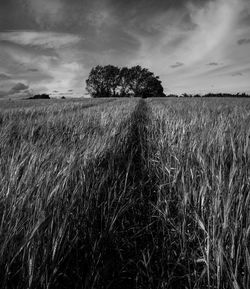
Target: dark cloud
(114, 39)
(32, 70)
(187, 23)
(112, 26)
(213, 64)
(177, 64)
(29, 49)
(150, 18)
(13, 15)
(217, 70)
(244, 41)
(146, 6)
(4, 76)
(87, 16)
(245, 17)
(15, 92)
(3, 93)
(19, 87)
(237, 74)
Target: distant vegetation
(112, 81)
(40, 96)
(213, 95)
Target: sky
(194, 46)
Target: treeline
(211, 95)
(112, 81)
(40, 96)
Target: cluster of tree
(112, 81)
(40, 96)
(214, 95)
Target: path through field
(126, 194)
(137, 248)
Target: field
(10, 104)
(125, 193)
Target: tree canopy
(112, 81)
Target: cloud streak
(4, 76)
(43, 39)
(237, 74)
(213, 64)
(18, 88)
(244, 41)
(45, 13)
(177, 64)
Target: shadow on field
(122, 242)
(113, 232)
(104, 232)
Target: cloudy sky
(195, 46)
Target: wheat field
(125, 193)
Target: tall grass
(202, 162)
(126, 194)
(49, 190)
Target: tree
(111, 81)
(95, 84)
(124, 77)
(153, 87)
(138, 78)
(103, 81)
(111, 76)
(144, 83)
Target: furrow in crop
(114, 224)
